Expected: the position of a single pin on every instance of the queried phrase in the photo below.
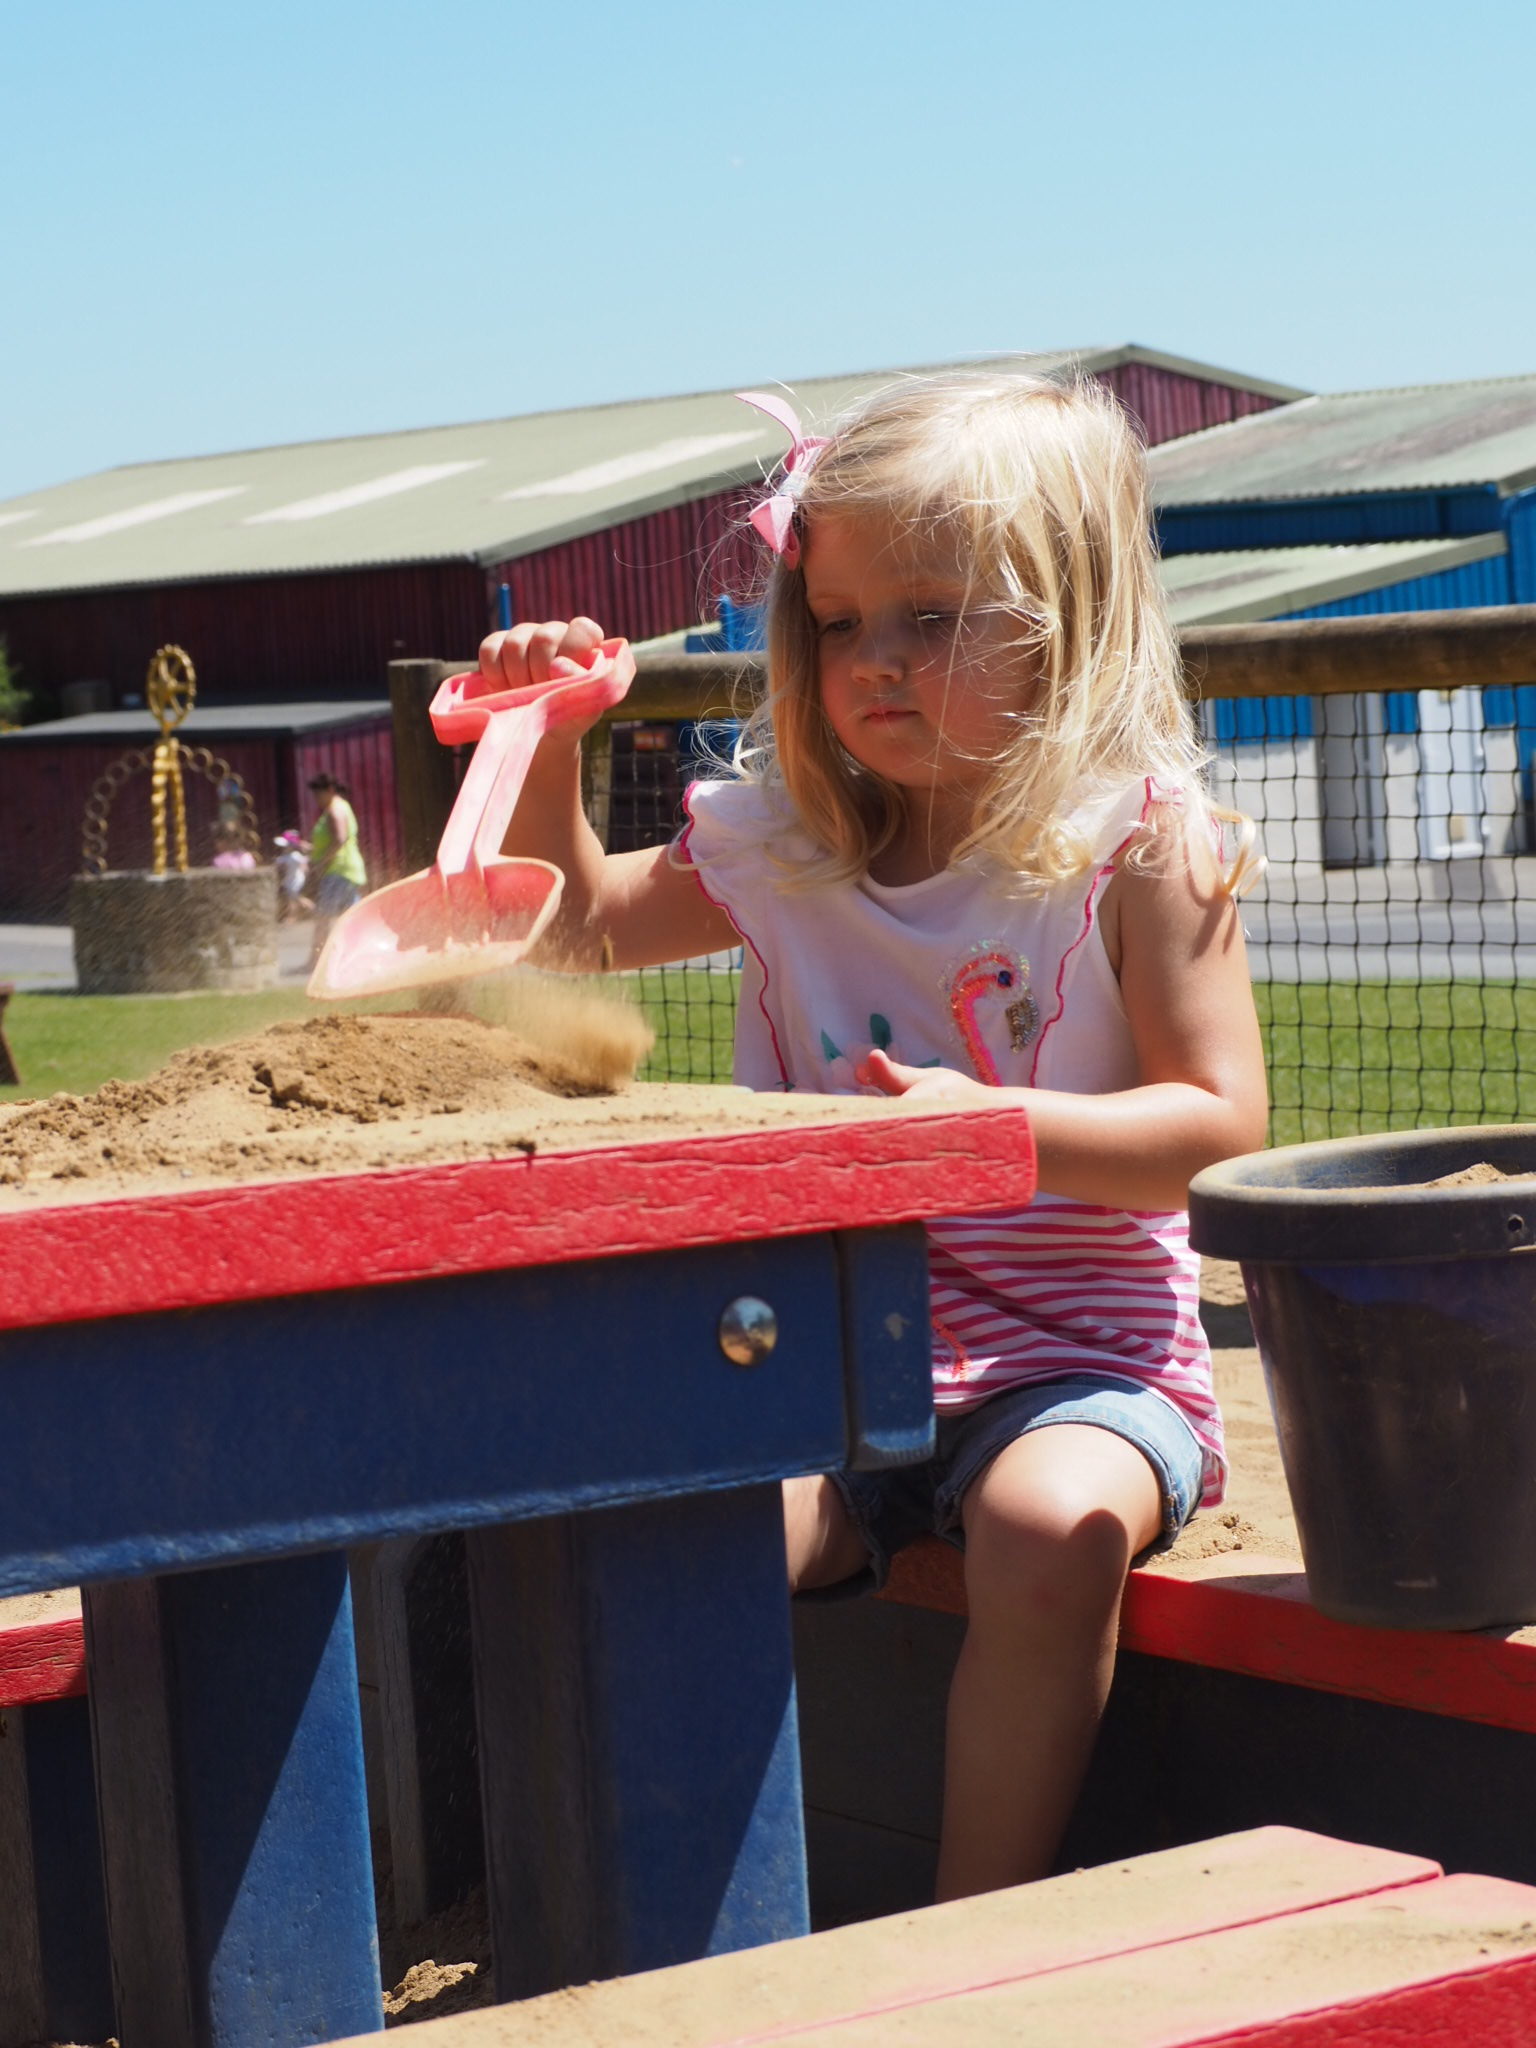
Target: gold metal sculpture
(170, 690)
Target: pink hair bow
(774, 518)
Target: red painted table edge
(41, 1661)
(74, 1262)
(1255, 1620)
(1492, 1999)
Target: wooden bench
(1273, 1936)
(55, 1981)
(1234, 1614)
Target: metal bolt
(749, 1329)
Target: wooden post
(9, 1078)
(229, 1775)
(426, 774)
(632, 1668)
(23, 1996)
(426, 1717)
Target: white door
(1451, 821)
(1351, 772)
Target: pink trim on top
(745, 937)
(1090, 907)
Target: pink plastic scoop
(474, 910)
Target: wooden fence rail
(1490, 644)
(1487, 645)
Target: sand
(354, 1094)
(1256, 1517)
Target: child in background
(291, 862)
(230, 849)
(967, 847)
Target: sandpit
(347, 1093)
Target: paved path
(1397, 941)
(41, 956)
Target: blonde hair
(1041, 487)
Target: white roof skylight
(133, 515)
(389, 486)
(598, 476)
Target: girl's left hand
(924, 1084)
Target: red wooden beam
(1252, 1616)
(1264, 1626)
(42, 1660)
(72, 1262)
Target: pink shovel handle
(507, 726)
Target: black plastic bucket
(1396, 1325)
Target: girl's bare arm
(617, 910)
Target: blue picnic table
(600, 1364)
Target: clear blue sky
(225, 226)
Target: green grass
(693, 1014)
(69, 1043)
(1377, 1056)
(74, 1043)
(1342, 1056)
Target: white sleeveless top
(1017, 990)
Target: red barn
(297, 574)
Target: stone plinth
(141, 934)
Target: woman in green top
(335, 856)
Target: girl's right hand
(538, 654)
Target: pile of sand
(350, 1094)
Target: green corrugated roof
(1267, 583)
(485, 492)
(1426, 437)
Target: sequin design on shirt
(991, 975)
(841, 1069)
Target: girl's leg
(820, 1540)
(1051, 1526)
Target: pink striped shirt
(960, 972)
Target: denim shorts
(336, 895)
(893, 1508)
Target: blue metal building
(1358, 475)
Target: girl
(967, 849)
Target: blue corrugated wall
(1328, 522)
(1520, 525)
(1517, 707)
(1474, 583)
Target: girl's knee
(1057, 1548)
(1058, 1532)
